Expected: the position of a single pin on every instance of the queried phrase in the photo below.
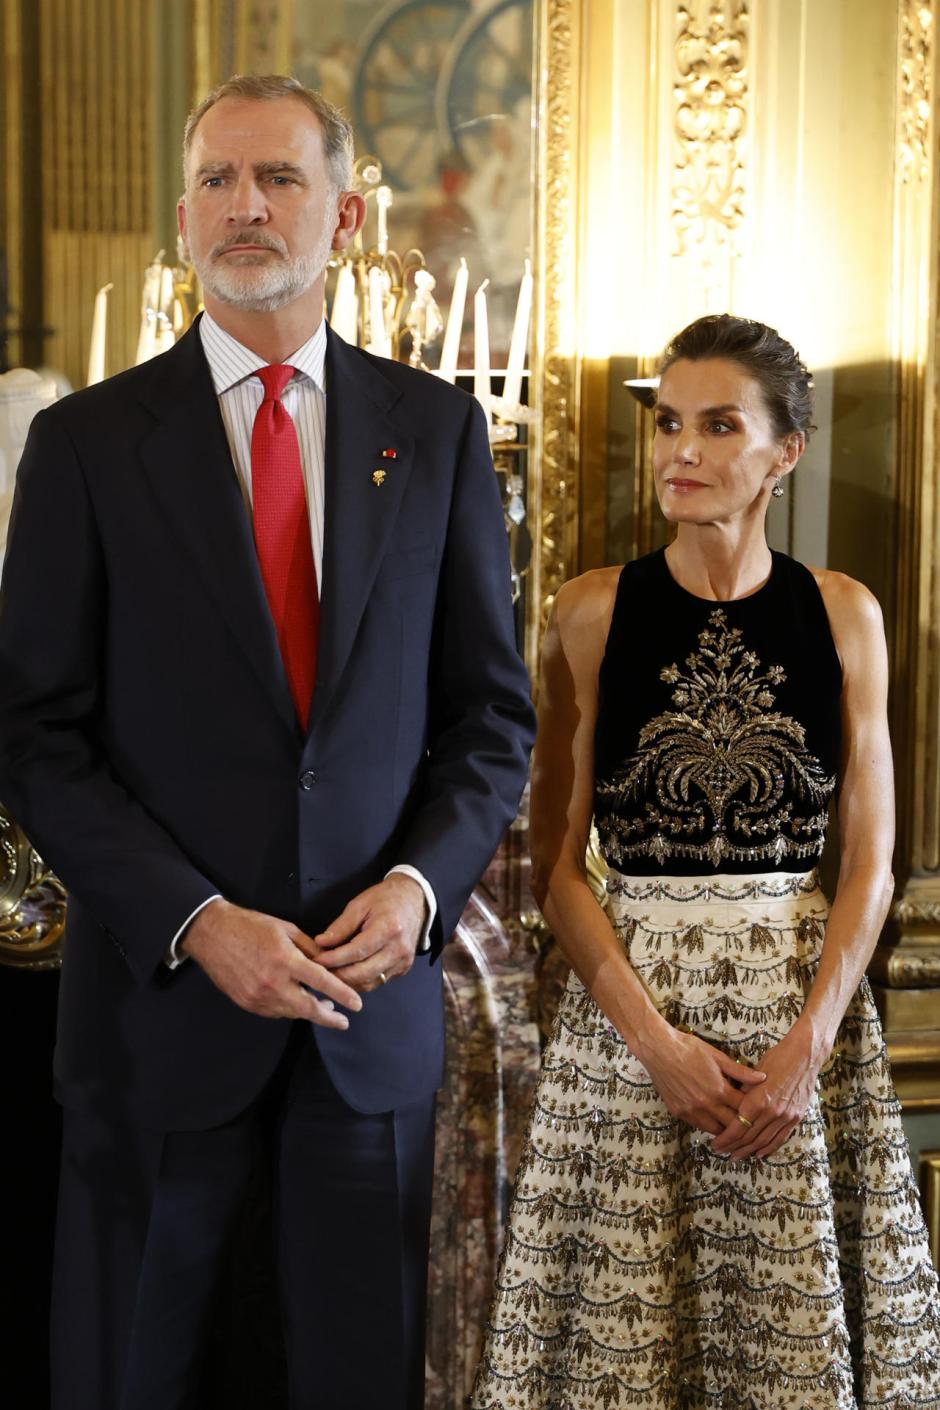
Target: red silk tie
(282, 537)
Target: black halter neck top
(718, 729)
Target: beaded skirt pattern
(639, 1269)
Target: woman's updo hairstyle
(785, 383)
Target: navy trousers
(146, 1225)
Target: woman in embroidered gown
(715, 1205)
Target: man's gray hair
(337, 133)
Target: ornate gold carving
(913, 962)
(239, 36)
(914, 89)
(909, 912)
(553, 487)
(98, 143)
(711, 93)
(32, 903)
(903, 968)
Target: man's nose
(248, 206)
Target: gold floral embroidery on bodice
(721, 777)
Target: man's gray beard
(264, 287)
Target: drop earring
(777, 490)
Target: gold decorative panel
(711, 98)
(914, 75)
(906, 967)
(553, 487)
(97, 144)
(240, 36)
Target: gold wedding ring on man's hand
(383, 979)
(743, 1119)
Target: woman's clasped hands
(750, 1112)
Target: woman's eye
(721, 427)
(666, 423)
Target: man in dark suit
(262, 711)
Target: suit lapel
(359, 515)
(189, 467)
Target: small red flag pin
(390, 454)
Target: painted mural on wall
(441, 92)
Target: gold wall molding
(11, 147)
(912, 912)
(908, 971)
(239, 36)
(98, 141)
(906, 967)
(914, 76)
(916, 670)
(711, 92)
(553, 481)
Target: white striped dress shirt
(232, 367)
(304, 399)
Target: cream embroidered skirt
(642, 1271)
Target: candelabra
(371, 284)
(383, 301)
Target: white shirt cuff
(424, 944)
(172, 959)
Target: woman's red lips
(676, 484)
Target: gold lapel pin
(378, 477)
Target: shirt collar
(231, 362)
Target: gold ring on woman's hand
(743, 1119)
(383, 979)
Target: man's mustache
(249, 237)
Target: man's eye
(666, 423)
(282, 180)
(212, 181)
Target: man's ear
(181, 223)
(351, 213)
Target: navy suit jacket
(149, 746)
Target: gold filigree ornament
(711, 97)
(378, 477)
(712, 774)
(32, 903)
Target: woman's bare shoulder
(580, 619)
(846, 599)
(588, 600)
(855, 617)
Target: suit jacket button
(307, 779)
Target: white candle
(380, 342)
(481, 352)
(148, 323)
(165, 336)
(344, 317)
(450, 351)
(148, 311)
(383, 199)
(99, 336)
(512, 390)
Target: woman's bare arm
(864, 889)
(696, 1081)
